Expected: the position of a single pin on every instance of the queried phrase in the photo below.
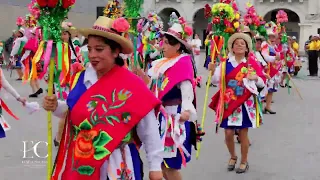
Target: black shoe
(238, 139)
(34, 95)
(199, 85)
(287, 85)
(19, 79)
(56, 143)
(268, 111)
(240, 171)
(232, 163)
(40, 91)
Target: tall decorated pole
(51, 51)
(224, 19)
(132, 12)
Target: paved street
(284, 148)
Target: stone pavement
(284, 148)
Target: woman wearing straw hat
(242, 77)
(273, 57)
(172, 80)
(29, 51)
(104, 126)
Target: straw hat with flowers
(68, 27)
(111, 29)
(180, 30)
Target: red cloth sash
(236, 93)
(99, 121)
(273, 69)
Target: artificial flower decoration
(33, 9)
(121, 25)
(173, 19)
(68, 3)
(20, 21)
(224, 15)
(282, 16)
(207, 11)
(47, 3)
(113, 9)
(251, 18)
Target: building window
(100, 11)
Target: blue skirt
(18, 62)
(2, 132)
(246, 123)
(207, 61)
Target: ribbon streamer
(46, 58)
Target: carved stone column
(305, 32)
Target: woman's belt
(172, 102)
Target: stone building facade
(304, 15)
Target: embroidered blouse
(217, 74)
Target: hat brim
(186, 44)
(71, 31)
(236, 36)
(126, 44)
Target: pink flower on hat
(69, 24)
(182, 20)
(188, 30)
(121, 25)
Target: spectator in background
(313, 56)
(306, 47)
(16, 52)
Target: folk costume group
(101, 130)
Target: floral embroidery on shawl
(160, 83)
(90, 142)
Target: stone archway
(292, 26)
(165, 16)
(200, 25)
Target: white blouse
(147, 128)
(16, 45)
(266, 54)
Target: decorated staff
(225, 21)
(282, 18)
(132, 13)
(149, 29)
(51, 48)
